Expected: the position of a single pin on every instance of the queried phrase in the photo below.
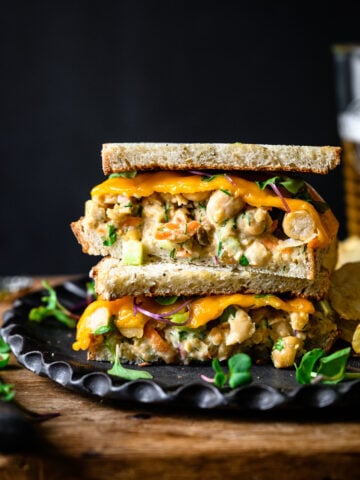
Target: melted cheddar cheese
(201, 311)
(145, 184)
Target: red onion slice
(279, 194)
(163, 317)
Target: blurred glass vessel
(347, 85)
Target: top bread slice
(122, 157)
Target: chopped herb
(123, 174)
(7, 391)
(53, 308)
(127, 374)
(209, 179)
(104, 329)
(263, 295)
(279, 344)
(128, 205)
(172, 253)
(226, 192)
(166, 212)
(112, 236)
(244, 262)
(219, 249)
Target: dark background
(76, 74)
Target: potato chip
(349, 251)
(355, 343)
(344, 292)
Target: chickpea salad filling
(207, 218)
(184, 330)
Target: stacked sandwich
(209, 250)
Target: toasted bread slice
(121, 157)
(113, 280)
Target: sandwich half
(210, 250)
(183, 330)
(225, 210)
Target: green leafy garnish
(4, 347)
(7, 391)
(226, 192)
(166, 300)
(112, 236)
(238, 371)
(317, 367)
(173, 253)
(127, 374)
(292, 185)
(131, 174)
(244, 262)
(53, 308)
(4, 359)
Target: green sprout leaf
(307, 365)
(316, 367)
(131, 174)
(7, 391)
(332, 368)
(4, 359)
(4, 347)
(239, 366)
(292, 185)
(53, 308)
(126, 373)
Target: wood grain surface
(96, 439)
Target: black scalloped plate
(46, 350)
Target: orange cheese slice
(145, 184)
(202, 310)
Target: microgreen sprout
(238, 372)
(317, 367)
(53, 308)
(126, 373)
(7, 391)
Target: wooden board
(94, 439)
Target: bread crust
(121, 157)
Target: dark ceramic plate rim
(45, 349)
